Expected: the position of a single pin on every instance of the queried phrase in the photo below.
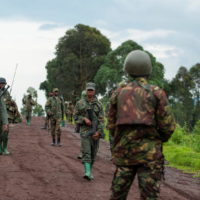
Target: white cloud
(22, 42)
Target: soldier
(29, 103)
(70, 110)
(47, 118)
(111, 139)
(88, 146)
(3, 120)
(77, 99)
(140, 119)
(66, 104)
(55, 109)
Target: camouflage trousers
(89, 150)
(111, 140)
(3, 136)
(149, 180)
(55, 127)
(28, 114)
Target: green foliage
(37, 109)
(111, 71)
(79, 55)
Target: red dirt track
(36, 170)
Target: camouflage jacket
(29, 103)
(56, 106)
(10, 108)
(3, 112)
(80, 112)
(140, 118)
(70, 109)
(106, 109)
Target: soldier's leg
(58, 130)
(5, 141)
(45, 124)
(94, 149)
(111, 140)
(122, 181)
(53, 128)
(1, 137)
(149, 178)
(29, 116)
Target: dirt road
(36, 170)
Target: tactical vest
(136, 104)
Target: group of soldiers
(140, 120)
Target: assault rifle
(4, 90)
(94, 125)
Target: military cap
(55, 90)
(90, 86)
(30, 95)
(77, 98)
(3, 80)
(50, 94)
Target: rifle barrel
(13, 78)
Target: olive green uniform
(29, 103)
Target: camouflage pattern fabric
(3, 135)
(3, 113)
(149, 176)
(80, 112)
(56, 106)
(69, 112)
(107, 109)
(111, 141)
(139, 123)
(55, 127)
(29, 103)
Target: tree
(111, 71)
(79, 55)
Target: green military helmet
(83, 94)
(138, 63)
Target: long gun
(4, 91)
(13, 79)
(94, 125)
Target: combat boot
(91, 171)
(87, 174)
(53, 143)
(5, 148)
(45, 126)
(79, 156)
(58, 142)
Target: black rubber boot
(58, 142)
(53, 143)
(45, 126)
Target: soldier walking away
(3, 120)
(70, 110)
(47, 118)
(55, 109)
(29, 103)
(140, 118)
(82, 115)
(111, 139)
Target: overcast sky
(29, 31)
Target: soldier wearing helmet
(140, 119)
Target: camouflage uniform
(140, 118)
(29, 103)
(69, 111)
(56, 106)
(111, 139)
(88, 149)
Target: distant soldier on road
(89, 146)
(47, 117)
(140, 119)
(55, 109)
(29, 103)
(70, 110)
(3, 120)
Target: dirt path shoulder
(36, 170)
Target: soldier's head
(70, 102)
(29, 95)
(90, 90)
(50, 94)
(77, 99)
(55, 92)
(2, 82)
(138, 64)
(83, 94)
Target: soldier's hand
(5, 128)
(95, 136)
(9, 103)
(88, 122)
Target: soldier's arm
(3, 112)
(101, 122)
(24, 101)
(32, 102)
(78, 118)
(164, 116)
(48, 107)
(112, 114)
